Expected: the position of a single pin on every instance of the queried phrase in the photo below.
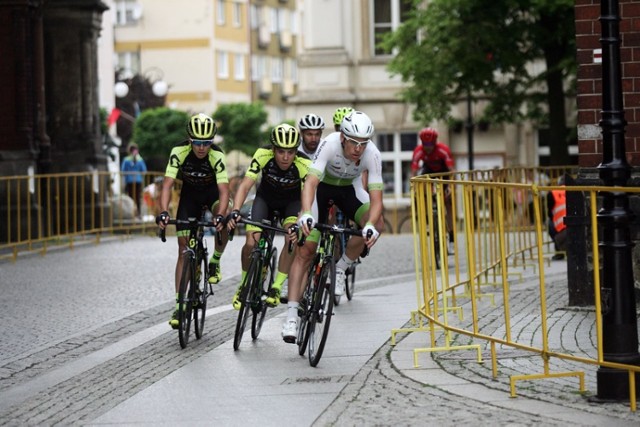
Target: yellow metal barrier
(500, 234)
(45, 211)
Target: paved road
(86, 342)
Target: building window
(238, 69)
(127, 11)
(277, 65)
(396, 150)
(223, 65)
(291, 69)
(254, 17)
(237, 14)
(274, 20)
(408, 141)
(387, 16)
(385, 142)
(129, 62)
(220, 12)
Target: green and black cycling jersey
(200, 180)
(194, 172)
(277, 184)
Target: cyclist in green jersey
(202, 168)
(283, 169)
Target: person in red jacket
(432, 156)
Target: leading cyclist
(336, 174)
(202, 167)
(432, 156)
(283, 171)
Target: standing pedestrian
(133, 168)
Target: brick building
(590, 139)
(589, 87)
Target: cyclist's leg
(289, 212)
(186, 207)
(221, 240)
(284, 265)
(354, 203)
(297, 274)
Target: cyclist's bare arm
(223, 203)
(241, 196)
(375, 214)
(308, 196)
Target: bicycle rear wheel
(200, 306)
(250, 281)
(322, 310)
(185, 306)
(350, 279)
(260, 310)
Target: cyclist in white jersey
(335, 174)
(311, 127)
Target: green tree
(240, 125)
(488, 50)
(157, 131)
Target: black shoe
(557, 257)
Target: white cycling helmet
(357, 125)
(311, 121)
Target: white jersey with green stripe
(332, 167)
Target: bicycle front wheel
(200, 306)
(185, 300)
(322, 310)
(304, 310)
(253, 275)
(260, 310)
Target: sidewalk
(266, 382)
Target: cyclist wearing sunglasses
(282, 168)
(202, 168)
(336, 174)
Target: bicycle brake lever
(365, 250)
(162, 234)
(292, 229)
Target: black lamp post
(469, 125)
(619, 320)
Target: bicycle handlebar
(335, 229)
(293, 228)
(192, 222)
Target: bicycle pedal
(284, 300)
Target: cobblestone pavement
(70, 304)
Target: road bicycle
(194, 287)
(350, 273)
(259, 278)
(316, 307)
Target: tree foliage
(240, 125)
(158, 130)
(489, 50)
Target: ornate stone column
(71, 29)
